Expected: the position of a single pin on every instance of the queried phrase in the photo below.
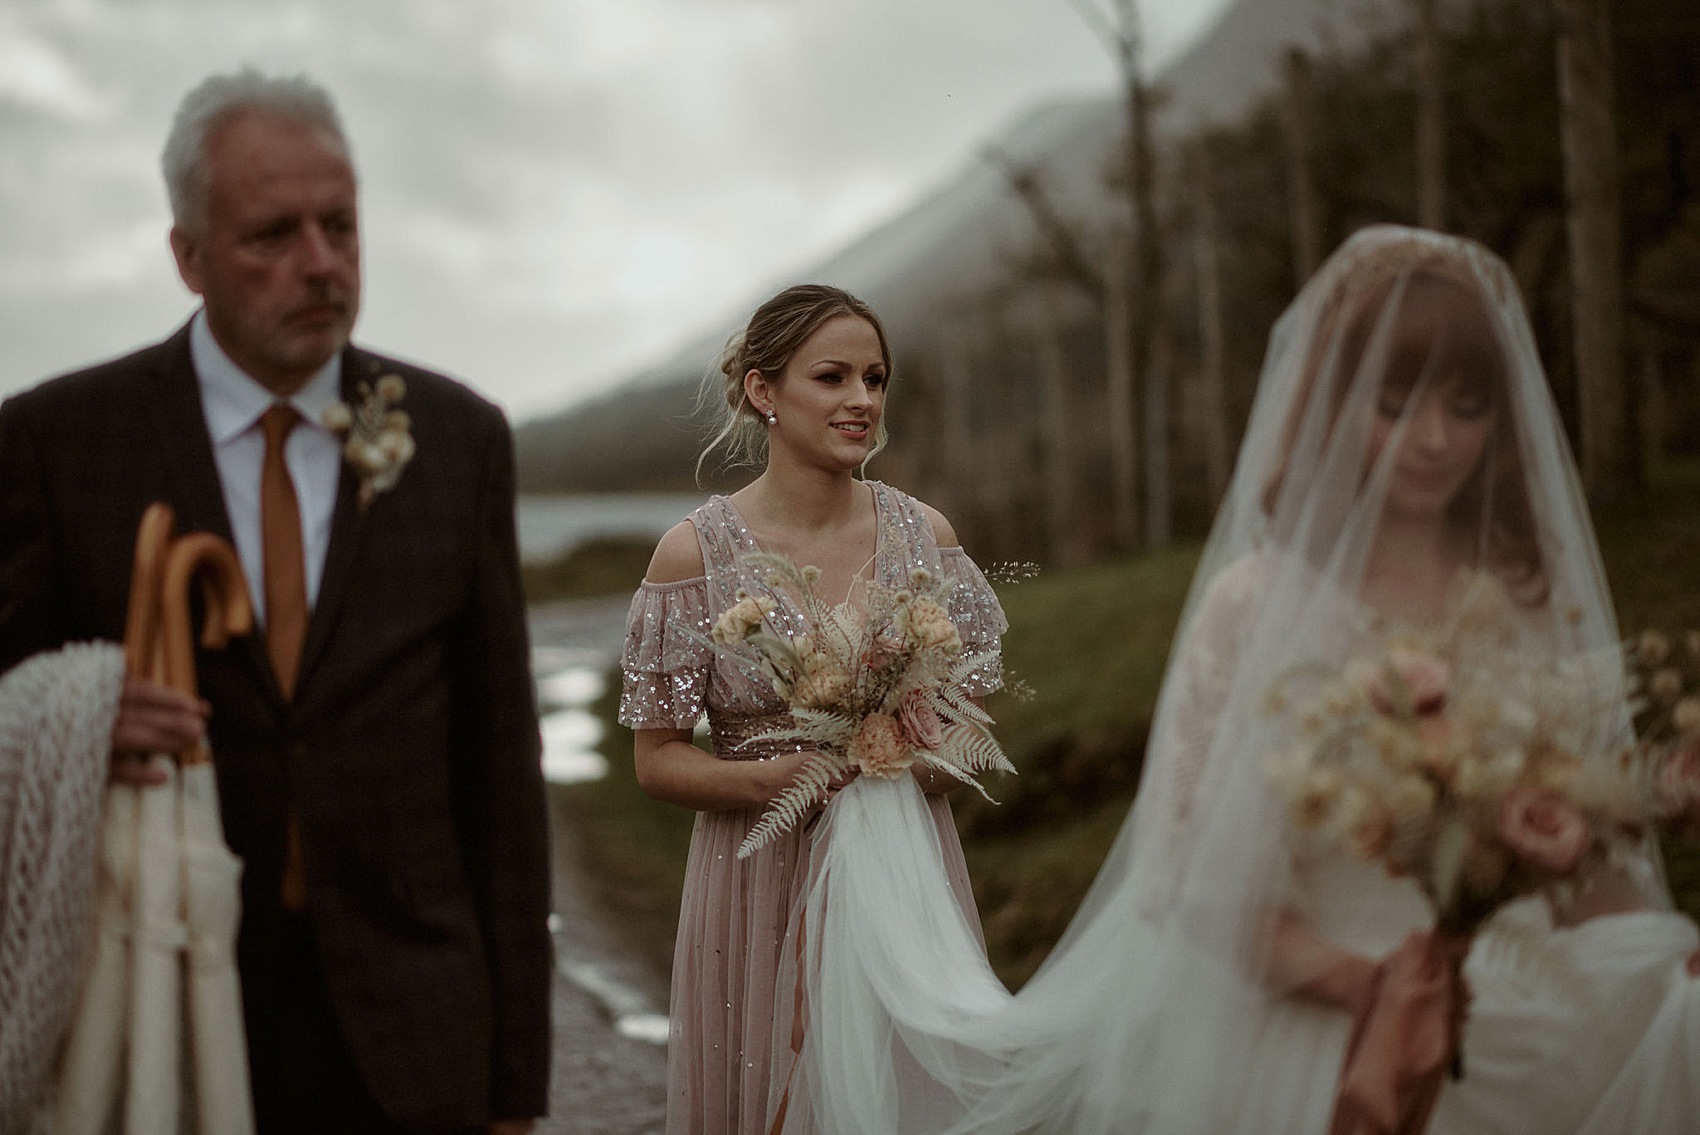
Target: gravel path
(607, 1081)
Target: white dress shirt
(233, 404)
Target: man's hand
(153, 718)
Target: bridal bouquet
(871, 691)
(1452, 758)
(1665, 683)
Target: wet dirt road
(610, 1059)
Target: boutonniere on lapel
(377, 437)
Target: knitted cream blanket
(56, 715)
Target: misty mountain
(963, 241)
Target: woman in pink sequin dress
(804, 388)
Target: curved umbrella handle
(228, 610)
(141, 621)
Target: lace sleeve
(979, 618)
(1199, 687)
(667, 657)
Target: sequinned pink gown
(733, 915)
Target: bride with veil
(1403, 439)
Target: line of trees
(1089, 405)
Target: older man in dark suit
(377, 743)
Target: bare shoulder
(943, 533)
(677, 557)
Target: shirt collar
(234, 401)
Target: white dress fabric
(1154, 1014)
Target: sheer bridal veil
(1156, 1012)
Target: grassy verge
(1092, 644)
(596, 567)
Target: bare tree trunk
(1213, 411)
(1596, 254)
(1060, 440)
(1431, 120)
(1144, 268)
(1118, 395)
(1307, 234)
(961, 469)
(1159, 497)
(1119, 28)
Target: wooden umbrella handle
(158, 635)
(228, 611)
(141, 621)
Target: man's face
(278, 263)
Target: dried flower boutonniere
(378, 441)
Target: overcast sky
(553, 192)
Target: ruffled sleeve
(979, 618)
(667, 657)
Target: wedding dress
(1157, 1013)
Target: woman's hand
(781, 772)
(1305, 962)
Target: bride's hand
(1307, 963)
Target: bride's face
(1442, 432)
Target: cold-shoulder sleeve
(979, 618)
(667, 657)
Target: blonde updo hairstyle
(773, 334)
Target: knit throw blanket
(56, 716)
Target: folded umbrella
(167, 903)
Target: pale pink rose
(1679, 789)
(885, 650)
(1543, 828)
(920, 721)
(879, 747)
(1425, 678)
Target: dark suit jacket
(410, 752)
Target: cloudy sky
(554, 192)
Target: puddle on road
(569, 682)
(571, 734)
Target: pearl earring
(772, 418)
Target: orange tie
(280, 538)
(285, 570)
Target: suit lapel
(348, 525)
(180, 427)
